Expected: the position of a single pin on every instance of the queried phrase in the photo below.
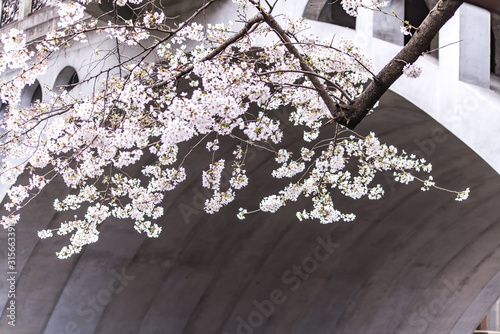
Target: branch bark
(352, 113)
(249, 25)
(318, 85)
(438, 16)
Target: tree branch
(436, 18)
(233, 39)
(311, 73)
(322, 90)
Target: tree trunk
(359, 108)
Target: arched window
(31, 94)
(66, 80)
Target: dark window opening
(37, 95)
(122, 13)
(73, 81)
(494, 48)
(31, 94)
(333, 13)
(415, 13)
(66, 80)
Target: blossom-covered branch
(191, 85)
(416, 47)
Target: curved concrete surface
(411, 263)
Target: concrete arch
(479, 306)
(411, 263)
(450, 89)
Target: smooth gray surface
(474, 58)
(383, 24)
(411, 263)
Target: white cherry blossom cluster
(463, 195)
(271, 203)
(329, 171)
(14, 53)
(70, 13)
(211, 177)
(151, 230)
(122, 3)
(68, 251)
(282, 156)
(44, 234)
(153, 19)
(289, 170)
(213, 145)
(10, 220)
(129, 36)
(219, 200)
(91, 141)
(351, 6)
(263, 128)
(238, 179)
(406, 30)
(412, 70)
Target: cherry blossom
(412, 71)
(91, 140)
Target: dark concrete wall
(411, 263)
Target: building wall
(412, 263)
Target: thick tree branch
(437, 17)
(318, 85)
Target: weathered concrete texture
(37, 24)
(411, 263)
(475, 51)
(384, 26)
(469, 60)
(313, 9)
